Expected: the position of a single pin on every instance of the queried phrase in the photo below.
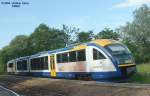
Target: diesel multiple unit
(97, 60)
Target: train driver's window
(97, 55)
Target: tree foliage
(136, 34)
(19, 46)
(1, 63)
(70, 34)
(45, 38)
(107, 33)
(85, 36)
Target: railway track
(31, 86)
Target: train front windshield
(120, 53)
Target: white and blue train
(97, 60)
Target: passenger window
(59, 59)
(22, 65)
(46, 62)
(37, 60)
(39, 63)
(81, 55)
(72, 56)
(18, 65)
(97, 55)
(34, 63)
(64, 57)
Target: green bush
(143, 74)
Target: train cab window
(97, 55)
(81, 55)
(72, 56)
(10, 65)
(65, 57)
(59, 59)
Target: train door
(52, 66)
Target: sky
(84, 14)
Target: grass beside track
(143, 74)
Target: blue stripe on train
(94, 75)
(41, 74)
(72, 75)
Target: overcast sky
(84, 14)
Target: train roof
(39, 54)
(10, 61)
(23, 58)
(79, 46)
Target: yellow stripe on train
(101, 42)
(126, 65)
(104, 42)
(79, 47)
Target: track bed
(32, 86)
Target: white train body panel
(102, 65)
(72, 67)
(12, 68)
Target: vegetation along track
(31, 86)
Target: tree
(5, 55)
(138, 33)
(71, 34)
(107, 34)
(19, 46)
(1, 63)
(85, 36)
(45, 38)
